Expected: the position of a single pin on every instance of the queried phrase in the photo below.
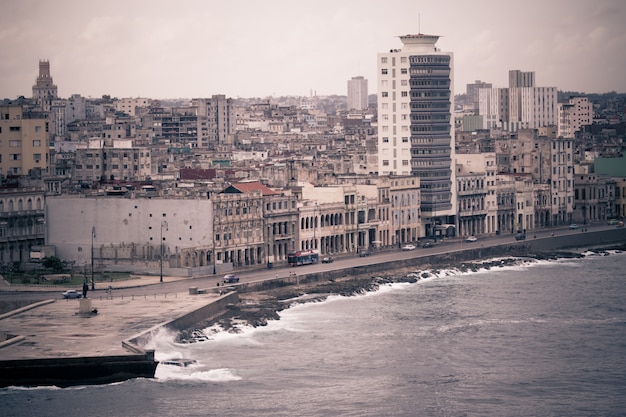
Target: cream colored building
(24, 141)
(415, 125)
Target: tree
(53, 263)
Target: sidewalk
(134, 281)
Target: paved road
(151, 285)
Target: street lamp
(93, 235)
(163, 224)
(315, 226)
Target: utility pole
(163, 224)
(93, 235)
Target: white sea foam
(195, 372)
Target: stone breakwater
(257, 307)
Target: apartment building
(415, 127)
(473, 94)
(357, 93)
(22, 224)
(520, 106)
(216, 121)
(106, 160)
(573, 115)
(476, 193)
(594, 197)
(24, 141)
(129, 105)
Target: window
(383, 60)
(36, 143)
(384, 71)
(385, 163)
(405, 139)
(15, 157)
(14, 128)
(15, 143)
(37, 157)
(404, 94)
(385, 94)
(37, 129)
(385, 140)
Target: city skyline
(273, 48)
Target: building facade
(22, 224)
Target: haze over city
(241, 48)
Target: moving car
(471, 239)
(364, 253)
(71, 294)
(573, 226)
(230, 278)
(520, 236)
(428, 245)
(327, 260)
(408, 247)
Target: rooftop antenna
(419, 24)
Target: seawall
(526, 247)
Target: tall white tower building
(357, 93)
(415, 127)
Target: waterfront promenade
(53, 328)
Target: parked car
(408, 247)
(573, 226)
(471, 239)
(364, 253)
(327, 260)
(428, 245)
(520, 236)
(71, 294)
(230, 278)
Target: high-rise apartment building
(216, 121)
(520, 106)
(519, 78)
(415, 129)
(357, 93)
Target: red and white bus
(303, 257)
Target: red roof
(246, 187)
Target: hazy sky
(258, 48)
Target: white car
(408, 247)
(69, 294)
(471, 239)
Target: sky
(259, 48)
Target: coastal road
(341, 262)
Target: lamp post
(93, 235)
(163, 224)
(315, 226)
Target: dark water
(546, 339)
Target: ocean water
(544, 338)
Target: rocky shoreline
(257, 308)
